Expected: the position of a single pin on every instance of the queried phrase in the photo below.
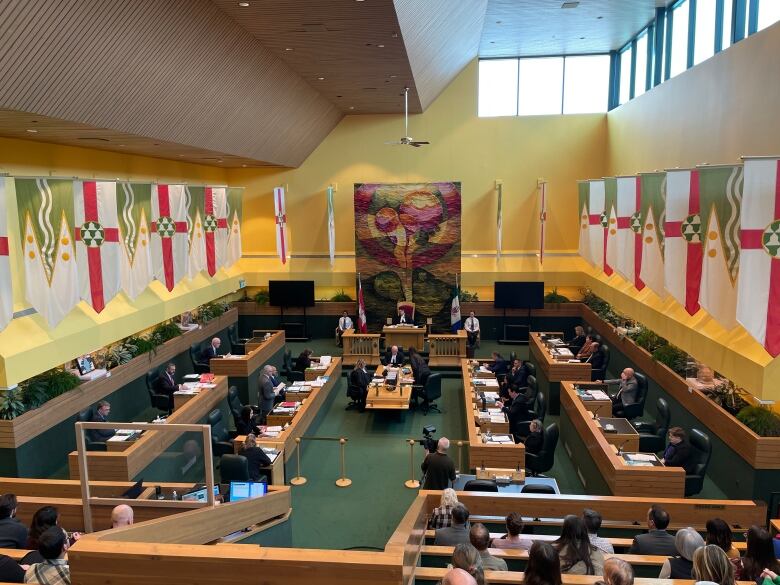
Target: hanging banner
(629, 230)
(609, 224)
(542, 217)
(134, 208)
(233, 214)
(196, 249)
(281, 224)
(331, 227)
(652, 218)
(169, 234)
(499, 222)
(6, 293)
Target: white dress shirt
(345, 323)
(472, 324)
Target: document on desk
(497, 418)
(501, 439)
(192, 376)
(325, 360)
(598, 395)
(640, 457)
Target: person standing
(267, 392)
(472, 329)
(438, 467)
(344, 323)
(358, 381)
(166, 384)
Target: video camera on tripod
(428, 441)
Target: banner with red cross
(169, 234)
(6, 293)
(215, 228)
(629, 229)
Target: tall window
(768, 13)
(540, 90)
(586, 84)
(728, 23)
(625, 75)
(704, 47)
(497, 87)
(680, 19)
(640, 78)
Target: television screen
(518, 295)
(241, 490)
(291, 293)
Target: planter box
(759, 452)
(320, 308)
(27, 426)
(486, 309)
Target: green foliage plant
(11, 404)
(341, 297)
(760, 420)
(554, 297)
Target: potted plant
(760, 420)
(341, 297)
(553, 297)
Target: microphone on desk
(484, 400)
(620, 448)
(596, 412)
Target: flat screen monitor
(242, 490)
(518, 295)
(85, 364)
(291, 293)
(199, 495)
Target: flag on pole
(196, 249)
(455, 310)
(609, 223)
(362, 326)
(542, 217)
(758, 294)
(169, 234)
(652, 217)
(134, 208)
(97, 241)
(500, 188)
(721, 196)
(629, 230)
(6, 293)
(683, 241)
(233, 214)
(584, 196)
(331, 227)
(51, 277)
(281, 224)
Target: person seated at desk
(54, 570)
(472, 329)
(516, 378)
(211, 350)
(394, 356)
(166, 383)
(344, 323)
(267, 391)
(499, 366)
(586, 350)
(627, 394)
(303, 361)
(402, 318)
(678, 451)
(534, 442)
(121, 516)
(246, 423)
(13, 534)
(100, 414)
(358, 380)
(256, 458)
(516, 409)
(578, 341)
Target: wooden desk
(602, 407)
(310, 374)
(389, 396)
(275, 471)
(596, 461)
(446, 349)
(550, 372)
(405, 337)
(360, 346)
(625, 435)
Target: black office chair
(538, 411)
(86, 416)
(601, 373)
(637, 409)
(512, 357)
(237, 344)
(233, 468)
(288, 371)
(530, 368)
(543, 461)
(198, 366)
(652, 435)
(354, 396)
(535, 488)
(220, 437)
(161, 402)
(481, 485)
(532, 389)
(701, 452)
(236, 406)
(429, 392)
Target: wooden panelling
(71, 488)
(555, 370)
(360, 346)
(486, 309)
(256, 356)
(446, 350)
(320, 308)
(29, 425)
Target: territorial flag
(51, 277)
(97, 241)
(233, 215)
(499, 223)
(169, 234)
(758, 293)
(196, 256)
(331, 227)
(683, 241)
(542, 218)
(596, 228)
(6, 293)
(584, 206)
(281, 224)
(629, 229)
(134, 207)
(609, 224)
(362, 326)
(455, 310)
(652, 217)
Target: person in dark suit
(10, 570)
(420, 373)
(303, 361)
(394, 356)
(656, 541)
(245, 425)
(516, 409)
(402, 318)
(266, 391)
(358, 380)
(256, 458)
(13, 534)
(535, 439)
(678, 451)
(166, 383)
(628, 392)
(576, 342)
(100, 414)
(499, 366)
(596, 360)
(517, 376)
(211, 350)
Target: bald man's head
(458, 577)
(618, 572)
(122, 515)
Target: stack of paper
(501, 439)
(640, 456)
(325, 360)
(598, 395)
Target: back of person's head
(449, 497)
(250, 441)
(718, 532)
(460, 514)
(443, 444)
(759, 554)
(103, 404)
(544, 565)
(592, 520)
(7, 505)
(44, 518)
(479, 536)
(659, 517)
(412, 351)
(467, 557)
(246, 413)
(458, 576)
(514, 524)
(710, 563)
(360, 364)
(618, 572)
(122, 515)
(52, 543)
(574, 545)
(686, 541)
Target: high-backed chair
(538, 411)
(233, 468)
(220, 437)
(512, 357)
(198, 366)
(353, 394)
(86, 416)
(530, 368)
(161, 402)
(652, 435)
(544, 460)
(536, 488)
(481, 485)
(429, 392)
(701, 451)
(601, 373)
(637, 409)
(235, 405)
(288, 371)
(237, 345)
(532, 389)
(408, 307)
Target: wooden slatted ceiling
(338, 40)
(177, 71)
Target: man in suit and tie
(628, 392)
(394, 356)
(516, 411)
(166, 383)
(472, 329)
(344, 323)
(267, 392)
(402, 318)
(211, 351)
(100, 414)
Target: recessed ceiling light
(243, 4)
(351, 107)
(220, 160)
(498, 22)
(32, 130)
(599, 17)
(582, 38)
(393, 76)
(321, 78)
(338, 96)
(288, 48)
(381, 46)
(243, 166)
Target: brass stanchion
(343, 481)
(460, 455)
(298, 479)
(411, 483)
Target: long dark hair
(544, 565)
(718, 532)
(574, 545)
(760, 554)
(43, 519)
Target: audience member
(534, 442)
(593, 523)
(303, 361)
(54, 570)
(711, 565)
(359, 379)
(770, 577)
(458, 577)
(457, 533)
(628, 392)
(578, 556)
(657, 541)
(438, 467)
(211, 350)
(678, 451)
(122, 515)
(480, 540)
(442, 516)
(544, 565)
(466, 557)
(719, 533)
(100, 414)
(617, 572)
(759, 555)
(345, 322)
(576, 343)
(679, 566)
(10, 570)
(43, 519)
(13, 534)
(513, 537)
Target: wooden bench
(16, 554)
(522, 555)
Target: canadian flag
(6, 293)
(629, 228)
(169, 234)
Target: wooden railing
(360, 346)
(447, 349)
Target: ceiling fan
(407, 140)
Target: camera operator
(438, 467)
